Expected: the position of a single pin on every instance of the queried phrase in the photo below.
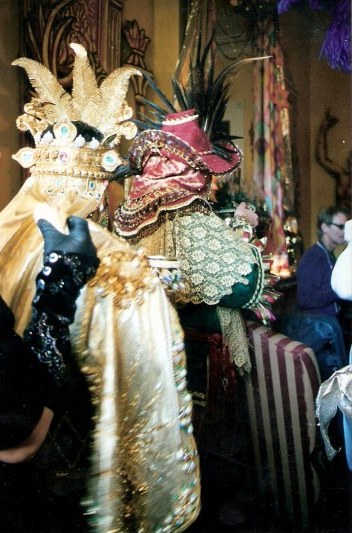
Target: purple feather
(315, 4)
(285, 5)
(336, 47)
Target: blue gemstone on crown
(64, 131)
(28, 157)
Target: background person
(314, 292)
(317, 322)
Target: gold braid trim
(167, 215)
(126, 274)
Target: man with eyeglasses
(314, 292)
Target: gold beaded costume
(126, 335)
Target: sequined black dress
(43, 494)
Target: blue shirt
(314, 292)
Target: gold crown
(61, 150)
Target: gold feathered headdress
(104, 108)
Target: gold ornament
(50, 118)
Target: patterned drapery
(272, 166)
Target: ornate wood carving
(138, 43)
(341, 173)
(50, 25)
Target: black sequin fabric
(58, 285)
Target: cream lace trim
(234, 337)
(212, 258)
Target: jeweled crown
(52, 114)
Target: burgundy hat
(183, 138)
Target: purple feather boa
(336, 47)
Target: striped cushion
(281, 391)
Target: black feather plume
(202, 92)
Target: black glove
(78, 241)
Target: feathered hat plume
(206, 93)
(203, 93)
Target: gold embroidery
(125, 274)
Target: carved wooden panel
(138, 42)
(50, 25)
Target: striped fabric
(281, 390)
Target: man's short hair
(326, 215)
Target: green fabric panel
(241, 294)
(204, 317)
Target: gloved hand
(78, 241)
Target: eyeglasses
(340, 226)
